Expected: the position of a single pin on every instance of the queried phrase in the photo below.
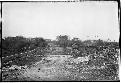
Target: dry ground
(60, 68)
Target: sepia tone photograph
(60, 41)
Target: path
(53, 70)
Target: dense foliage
(20, 44)
(18, 49)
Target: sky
(84, 20)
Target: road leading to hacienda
(60, 68)
(51, 68)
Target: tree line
(21, 44)
(11, 45)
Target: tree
(63, 41)
(77, 47)
(14, 44)
(40, 42)
(76, 43)
(99, 42)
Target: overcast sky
(84, 20)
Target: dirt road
(51, 68)
(62, 68)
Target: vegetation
(26, 51)
(17, 46)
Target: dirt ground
(60, 68)
(52, 68)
